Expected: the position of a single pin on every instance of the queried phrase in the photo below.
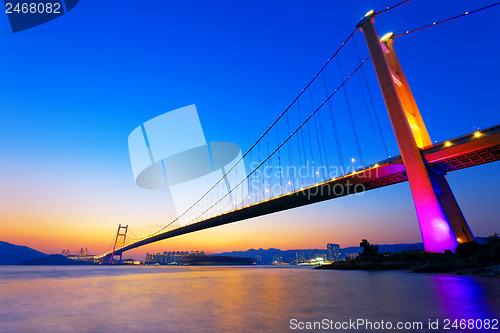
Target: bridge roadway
(463, 152)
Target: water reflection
(461, 297)
(227, 299)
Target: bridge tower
(441, 221)
(119, 241)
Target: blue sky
(74, 88)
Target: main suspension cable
(274, 123)
(298, 128)
(389, 8)
(447, 20)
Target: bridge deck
(459, 153)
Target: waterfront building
(333, 252)
(170, 257)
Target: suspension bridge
(302, 158)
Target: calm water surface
(229, 299)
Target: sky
(74, 88)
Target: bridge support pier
(441, 221)
(450, 206)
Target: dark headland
(11, 254)
(470, 258)
(55, 259)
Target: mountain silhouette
(11, 254)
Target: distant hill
(54, 259)
(263, 256)
(11, 254)
(395, 248)
(481, 240)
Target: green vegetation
(469, 258)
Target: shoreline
(491, 271)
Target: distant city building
(300, 257)
(322, 256)
(350, 256)
(305, 256)
(76, 257)
(277, 260)
(333, 252)
(169, 258)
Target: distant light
(459, 240)
(387, 36)
(447, 143)
(477, 134)
(289, 183)
(352, 160)
(267, 190)
(376, 165)
(370, 13)
(317, 172)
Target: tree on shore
(369, 251)
(482, 254)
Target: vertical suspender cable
(290, 157)
(369, 116)
(334, 126)
(311, 151)
(353, 124)
(317, 135)
(268, 164)
(371, 99)
(279, 157)
(303, 141)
